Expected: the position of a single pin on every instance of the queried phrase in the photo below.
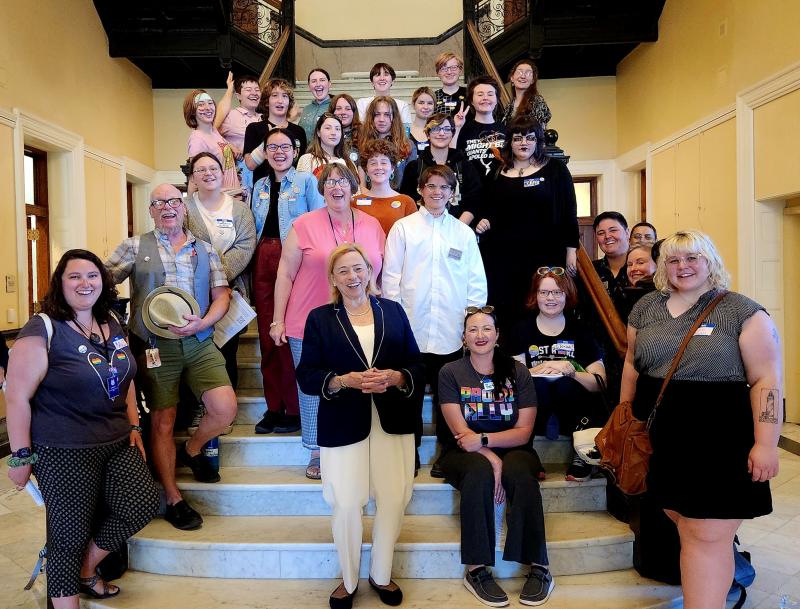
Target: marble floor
(773, 540)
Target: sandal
(86, 586)
(313, 470)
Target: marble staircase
(266, 540)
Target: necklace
(522, 170)
(481, 377)
(351, 314)
(87, 332)
(333, 230)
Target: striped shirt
(177, 266)
(713, 355)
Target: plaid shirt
(177, 266)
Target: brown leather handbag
(624, 441)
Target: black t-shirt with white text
(575, 342)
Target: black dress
(533, 220)
(703, 430)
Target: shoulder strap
(48, 325)
(677, 359)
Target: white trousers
(381, 466)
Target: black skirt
(702, 435)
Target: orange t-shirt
(387, 210)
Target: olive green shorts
(198, 363)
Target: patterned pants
(309, 404)
(74, 483)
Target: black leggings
(472, 475)
(76, 484)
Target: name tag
(112, 383)
(705, 329)
(119, 343)
(450, 104)
(454, 254)
(363, 201)
(527, 183)
(488, 385)
(224, 223)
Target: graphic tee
(574, 342)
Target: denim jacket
(298, 194)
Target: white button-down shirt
(433, 268)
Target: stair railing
(602, 302)
(270, 23)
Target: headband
(202, 97)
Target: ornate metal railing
(261, 20)
(493, 17)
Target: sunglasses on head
(555, 270)
(488, 310)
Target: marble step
(288, 547)
(252, 406)
(244, 448)
(285, 491)
(620, 589)
(249, 346)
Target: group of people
(384, 256)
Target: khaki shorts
(199, 364)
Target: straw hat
(166, 306)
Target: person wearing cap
(179, 291)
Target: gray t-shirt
(71, 407)
(486, 409)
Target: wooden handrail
(275, 57)
(602, 302)
(486, 60)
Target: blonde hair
(443, 58)
(694, 242)
(346, 248)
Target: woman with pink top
(199, 111)
(303, 283)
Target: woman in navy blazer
(360, 357)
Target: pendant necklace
(93, 337)
(333, 230)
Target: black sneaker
(579, 470)
(538, 586)
(287, 423)
(183, 517)
(267, 422)
(481, 583)
(201, 468)
(436, 469)
(416, 462)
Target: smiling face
(337, 196)
(379, 168)
(382, 82)
(330, 133)
(424, 106)
(207, 175)
(319, 85)
(382, 118)
(204, 114)
(640, 265)
(522, 78)
(351, 276)
(450, 72)
(550, 298)
(81, 284)
(441, 135)
(278, 103)
(249, 95)
(436, 193)
(167, 219)
(344, 112)
(612, 237)
(281, 158)
(642, 234)
(523, 146)
(687, 271)
(480, 333)
(484, 99)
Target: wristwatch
(484, 439)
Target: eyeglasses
(202, 170)
(281, 147)
(435, 187)
(528, 137)
(554, 293)
(690, 259)
(331, 182)
(162, 203)
(441, 129)
(487, 310)
(527, 73)
(555, 270)
(450, 69)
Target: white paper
(34, 492)
(239, 314)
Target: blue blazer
(331, 347)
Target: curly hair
(55, 304)
(373, 148)
(269, 87)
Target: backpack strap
(48, 325)
(39, 563)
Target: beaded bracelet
(136, 428)
(31, 459)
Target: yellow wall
(791, 322)
(8, 245)
(390, 18)
(693, 71)
(776, 128)
(694, 186)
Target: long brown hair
(397, 134)
(526, 103)
(55, 304)
(339, 151)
